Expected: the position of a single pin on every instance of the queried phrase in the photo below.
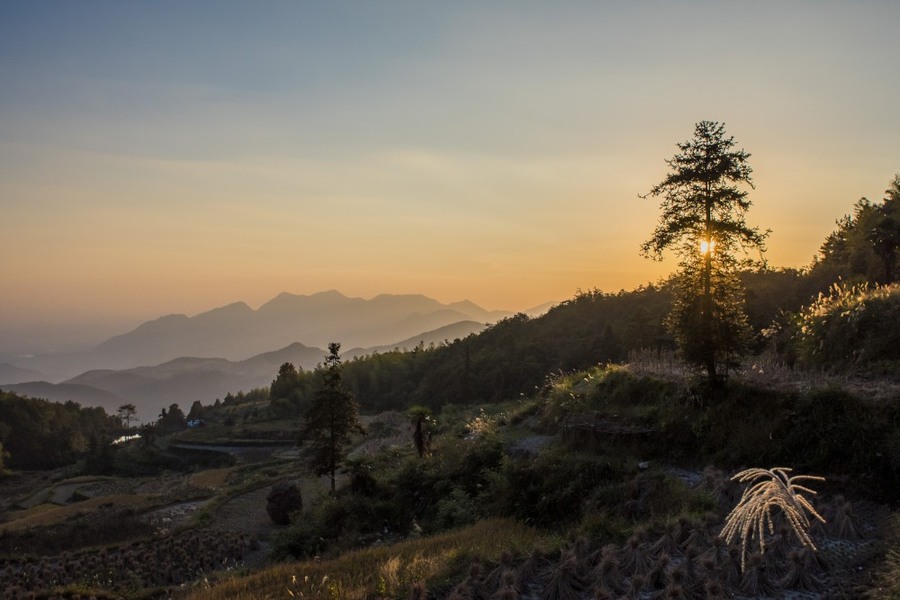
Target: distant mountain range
(229, 349)
(237, 331)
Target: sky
(172, 157)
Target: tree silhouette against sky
(704, 200)
(332, 418)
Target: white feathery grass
(753, 516)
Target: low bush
(553, 488)
(282, 502)
(850, 328)
(334, 525)
(827, 430)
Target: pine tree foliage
(332, 418)
(704, 202)
(126, 413)
(865, 245)
(726, 333)
(285, 384)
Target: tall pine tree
(332, 419)
(703, 207)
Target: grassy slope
(617, 395)
(387, 571)
(676, 413)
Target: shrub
(833, 429)
(283, 501)
(455, 510)
(851, 327)
(553, 488)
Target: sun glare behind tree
(704, 202)
(707, 246)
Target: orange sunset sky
(171, 157)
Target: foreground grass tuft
(772, 491)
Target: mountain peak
(236, 331)
(288, 301)
(465, 306)
(235, 308)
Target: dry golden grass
(774, 492)
(47, 514)
(388, 571)
(212, 479)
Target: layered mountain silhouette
(236, 331)
(229, 349)
(183, 380)
(13, 374)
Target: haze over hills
(186, 379)
(206, 356)
(13, 374)
(236, 331)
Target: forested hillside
(39, 434)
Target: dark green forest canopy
(39, 434)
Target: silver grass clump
(508, 589)
(753, 516)
(607, 574)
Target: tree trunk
(706, 306)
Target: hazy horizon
(76, 335)
(171, 158)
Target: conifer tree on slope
(332, 418)
(702, 222)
